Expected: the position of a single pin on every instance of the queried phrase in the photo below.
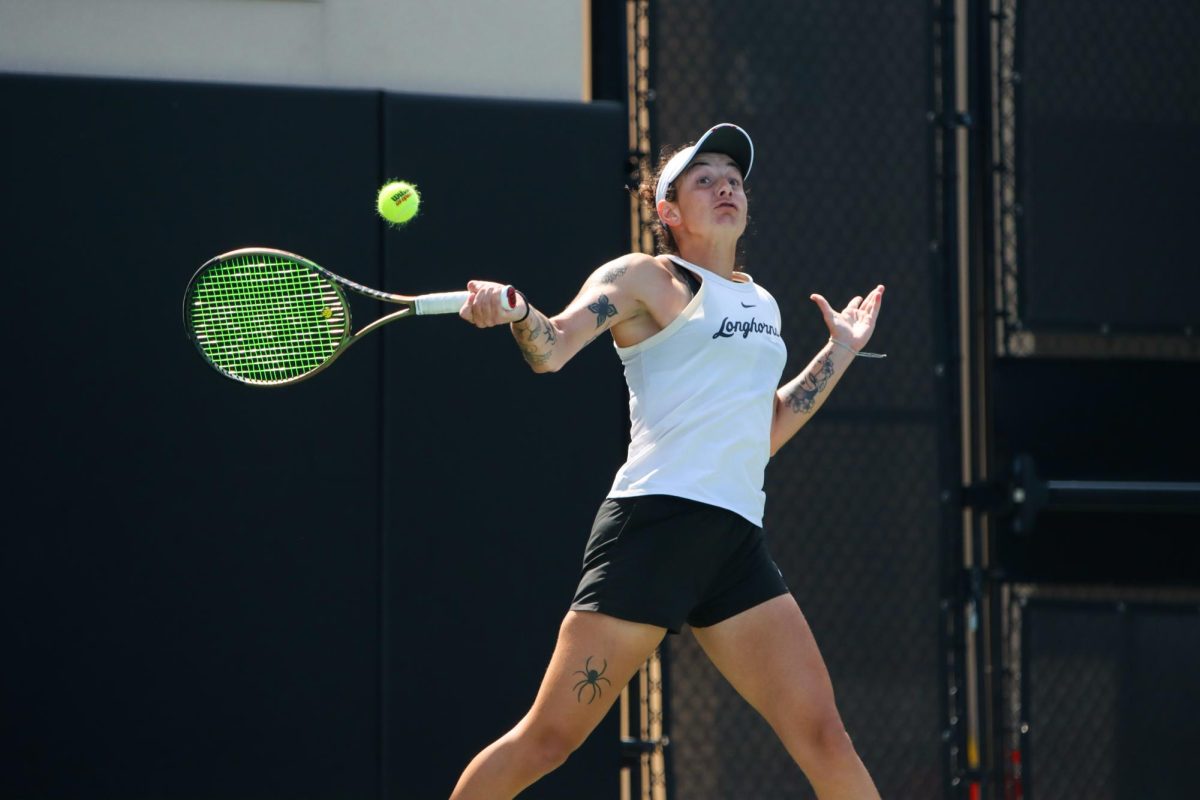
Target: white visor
(725, 138)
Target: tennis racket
(266, 317)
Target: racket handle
(451, 302)
(440, 302)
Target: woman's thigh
(769, 655)
(594, 658)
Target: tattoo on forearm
(535, 327)
(804, 397)
(603, 310)
(612, 273)
(591, 680)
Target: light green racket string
(266, 319)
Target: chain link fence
(835, 97)
(1101, 684)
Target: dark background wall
(343, 588)
(1083, 185)
(1105, 169)
(1100, 420)
(494, 473)
(1109, 690)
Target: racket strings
(266, 318)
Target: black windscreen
(1108, 159)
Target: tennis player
(679, 539)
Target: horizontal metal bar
(1124, 486)
(1178, 496)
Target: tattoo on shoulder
(603, 309)
(804, 397)
(612, 273)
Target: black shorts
(666, 560)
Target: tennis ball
(398, 202)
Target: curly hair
(662, 234)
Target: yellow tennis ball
(398, 202)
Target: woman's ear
(667, 212)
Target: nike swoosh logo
(749, 305)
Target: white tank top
(702, 396)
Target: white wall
(499, 48)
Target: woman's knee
(546, 746)
(819, 742)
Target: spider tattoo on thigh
(591, 678)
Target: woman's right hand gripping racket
(266, 317)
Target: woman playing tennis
(679, 538)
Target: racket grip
(440, 302)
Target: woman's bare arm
(612, 294)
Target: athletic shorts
(667, 561)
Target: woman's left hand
(853, 325)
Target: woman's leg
(595, 657)
(769, 655)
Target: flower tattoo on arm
(603, 310)
(802, 399)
